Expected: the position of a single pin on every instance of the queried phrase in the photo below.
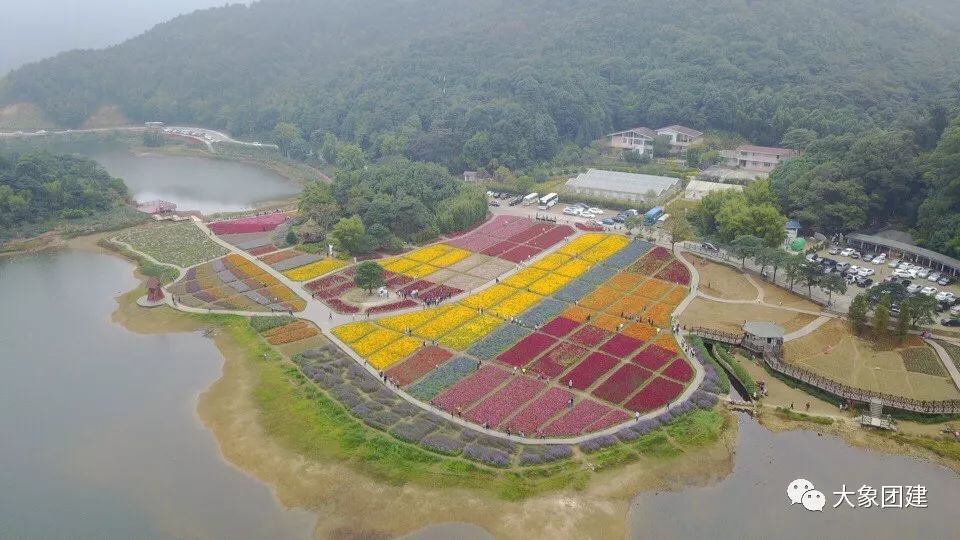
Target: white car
(867, 258)
(913, 288)
(866, 272)
(853, 269)
(901, 273)
(929, 291)
(880, 259)
(571, 211)
(894, 263)
(923, 272)
(847, 252)
(945, 295)
(596, 211)
(934, 277)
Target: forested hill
(528, 76)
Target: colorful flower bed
(342, 307)
(575, 268)
(472, 388)
(640, 331)
(525, 277)
(181, 244)
(549, 284)
(590, 370)
(546, 310)
(290, 333)
(526, 349)
(601, 298)
(552, 261)
(659, 314)
(654, 395)
(452, 318)
(440, 292)
(314, 270)
(579, 314)
(234, 283)
(262, 223)
(582, 243)
(498, 406)
(392, 306)
(674, 297)
(679, 370)
(577, 419)
(610, 419)
(442, 377)
(590, 336)
(652, 289)
(488, 298)
(540, 411)
(621, 346)
(515, 304)
(463, 337)
(558, 359)
(625, 281)
(653, 357)
(520, 253)
(652, 261)
(409, 321)
(374, 341)
(560, 326)
(667, 342)
(418, 365)
(498, 341)
(676, 272)
(610, 323)
(394, 352)
(623, 383)
(607, 247)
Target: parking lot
(502, 206)
(916, 278)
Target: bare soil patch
(106, 116)
(730, 317)
(721, 281)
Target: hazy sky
(34, 29)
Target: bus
(653, 215)
(530, 199)
(548, 201)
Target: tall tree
(881, 318)
(746, 246)
(833, 284)
(369, 276)
(351, 235)
(857, 314)
(680, 231)
(903, 322)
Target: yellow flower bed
(552, 261)
(659, 315)
(412, 320)
(427, 254)
(420, 271)
(525, 277)
(606, 248)
(574, 268)
(582, 243)
(550, 284)
(400, 265)
(454, 317)
(516, 304)
(452, 257)
(395, 352)
(676, 296)
(349, 333)
(489, 297)
(374, 341)
(463, 337)
(313, 270)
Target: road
(204, 135)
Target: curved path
(326, 319)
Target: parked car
(835, 250)
(847, 252)
(895, 309)
(923, 273)
(842, 267)
(608, 222)
(955, 311)
(929, 291)
(880, 259)
(950, 322)
(945, 296)
(516, 200)
(596, 211)
(934, 277)
(494, 203)
(894, 263)
(902, 273)
(571, 211)
(709, 247)
(944, 281)
(906, 282)
(866, 272)
(855, 255)
(868, 257)
(914, 288)
(863, 282)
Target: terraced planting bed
(182, 244)
(585, 355)
(234, 283)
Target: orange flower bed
(659, 315)
(601, 298)
(675, 296)
(610, 323)
(579, 314)
(631, 305)
(641, 331)
(290, 333)
(667, 341)
(653, 289)
(625, 281)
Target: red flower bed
(610, 419)
(520, 253)
(593, 227)
(513, 228)
(420, 286)
(502, 403)
(589, 370)
(328, 282)
(675, 272)
(440, 291)
(654, 395)
(395, 281)
(264, 223)
(623, 383)
(590, 336)
(621, 346)
(262, 250)
(472, 388)
(418, 365)
(652, 261)
(499, 248)
(530, 233)
(341, 307)
(560, 326)
(558, 359)
(541, 410)
(679, 370)
(578, 419)
(393, 306)
(653, 357)
(551, 237)
(328, 294)
(527, 349)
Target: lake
(194, 183)
(100, 436)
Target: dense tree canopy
(460, 82)
(728, 215)
(39, 186)
(938, 222)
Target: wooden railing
(717, 335)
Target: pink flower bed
(541, 410)
(560, 326)
(653, 357)
(520, 253)
(499, 248)
(527, 349)
(612, 418)
(341, 307)
(513, 228)
(578, 419)
(393, 306)
(654, 395)
(418, 365)
(679, 370)
(590, 336)
(589, 370)
(551, 237)
(440, 292)
(530, 233)
(675, 272)
(262, 250)
(623, 383)
(328, 282)
(556, 360)
(502, 403)
(395, 281)
(472, 388)
(621, 346)
(264, 223)
(420, 286)
(475, 241)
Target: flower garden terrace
(576, 344)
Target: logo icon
(803, 492)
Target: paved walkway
(947, 361)
(808, 329)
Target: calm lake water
(206, 185)
(99, 436)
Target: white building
(680, 137)
(697, 189)
(640, 139)
(620, 185)
(757, 158)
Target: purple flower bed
(443, 444)
(535, 455)
(577, 419)
(472, 388)
(498, 406)
(487, 455)
(498, 341)
(547, 309)
(624, 382)
(598, 443)
(575, 290)
(589, 370)
(542, 409)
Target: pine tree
(857, 315)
